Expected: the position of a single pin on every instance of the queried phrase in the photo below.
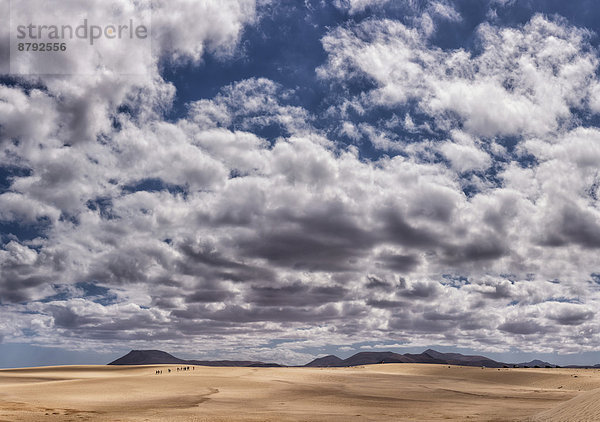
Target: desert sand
(396, 392)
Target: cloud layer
(442, 197)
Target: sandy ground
(397, 392)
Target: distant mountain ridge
(536, 362)
(428, 356)
(157, 357)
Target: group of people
(183, 368)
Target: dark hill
(326, 361)
(147, 357)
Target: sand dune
(582, 408)
(399, 392)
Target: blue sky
(289, 179)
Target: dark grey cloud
(387, 304)
(202, 258)
(417, 324)
(522, 327)
(574, 225)
(485, 248)
(571, 315)
(421, 290)
(209, 295)
(399, 231)
(326, 238)
(398, 262)
(374, 282)
(69, 319)
(296, 294)
(500, 290)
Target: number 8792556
(42, 46)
